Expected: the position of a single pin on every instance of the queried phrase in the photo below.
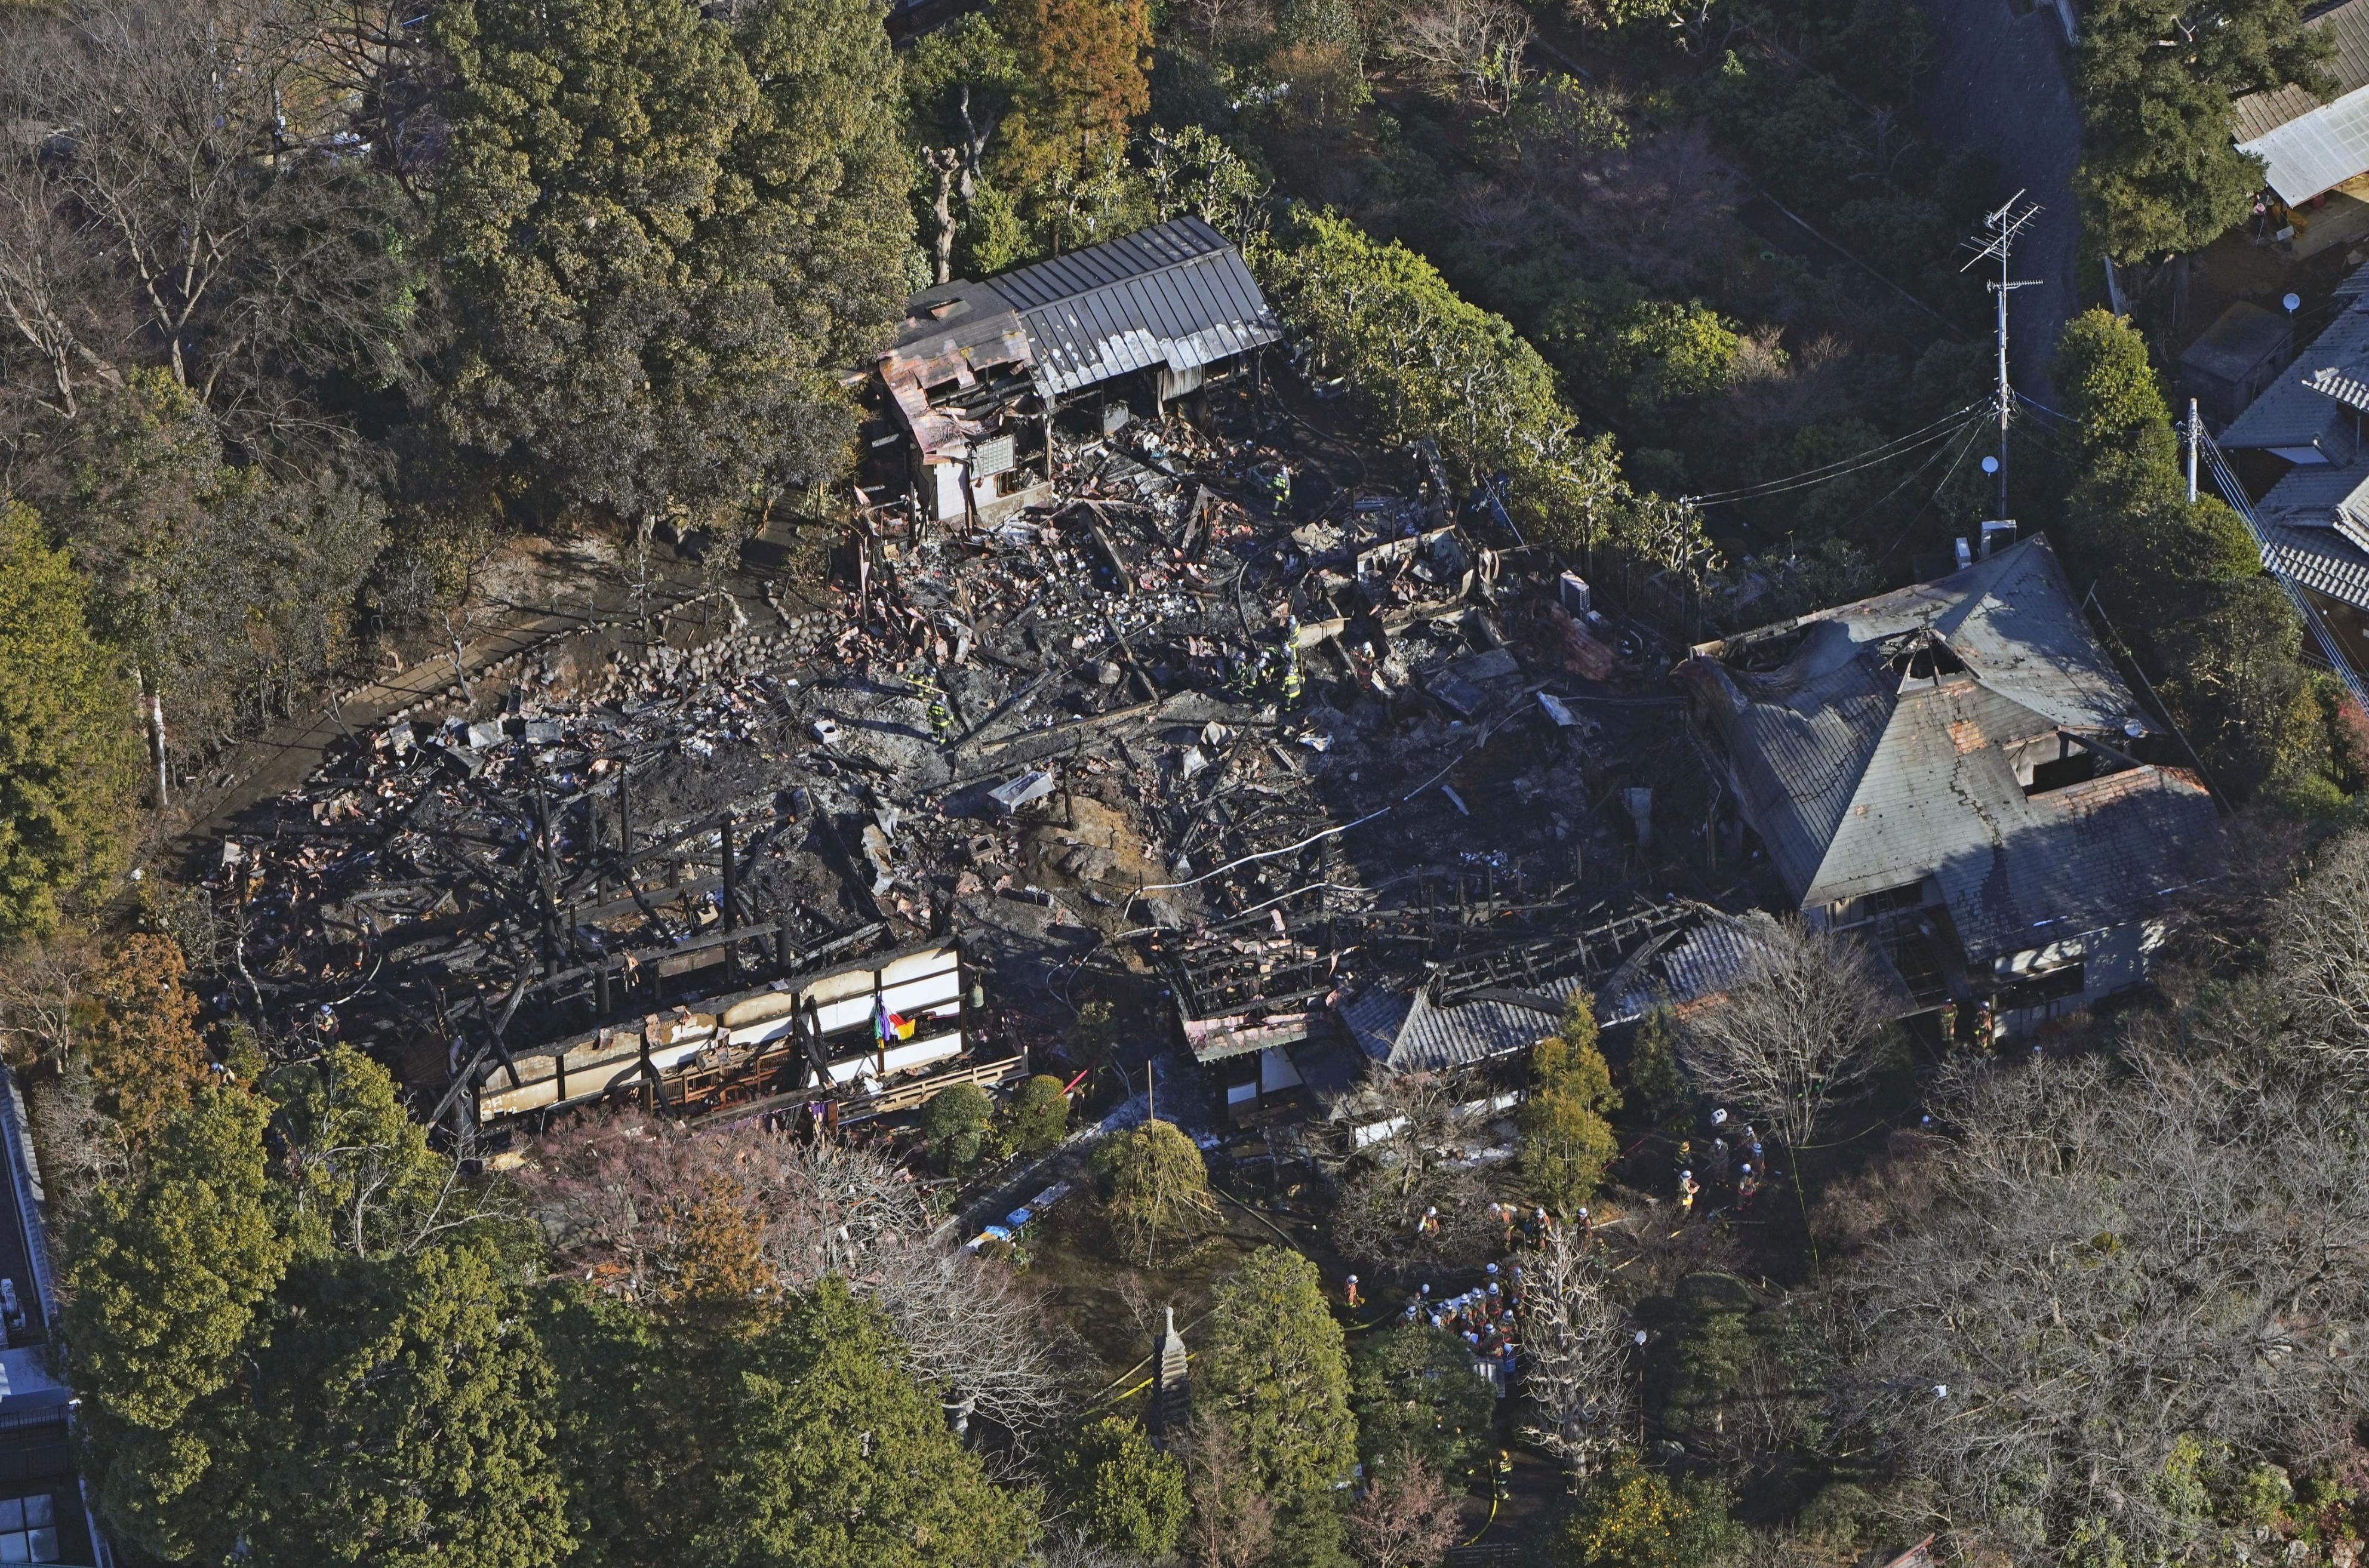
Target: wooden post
(731, 920)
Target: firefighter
(940, 719)
(1274, 480)
(1291, 678)
(1688, 1188)
(1503, 1475)
(1350, 1293)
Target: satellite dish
(1990, 465)
(2293, 304)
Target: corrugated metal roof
(1176, 294)
(1861, 779)
(2312, 146)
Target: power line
(1898, 446)
(1968, 445)
(2236, 495)
(2002, 225)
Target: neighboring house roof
(2312, 146)
(1889, 746)
(1704, 962)
(2315, 518)
(2313, 400)
(2237, 342)
(1175, 295)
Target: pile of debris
(1247, 694)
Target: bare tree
(620, 1197)
(1408, 1130)
(2320, 947)
(1576, 1349)
(1799, 1033)
(40, 999)
(1469, 47)
(2108, 1260)
(1406, 1517)
(1232, 1520)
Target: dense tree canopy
(2159, 173)
(69, 747)
(665, 233)
(1272, 1368)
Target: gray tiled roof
(2304, 406)
(1712, 956)
(1407, 1032)
(2320, 559)
(1175, 295)
(1859, 778)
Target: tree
(1566, 1134)
(362, 1180)
(1406, 1517)
(1272, 1368)
(1038, 1117)
(406, 1419)
(1425, 362)
(2158, 171)
(1414, 1391)
(217, 199)
(165, 1277)
(68, 748)
(1081, 82)
(665, 236)
(1633, 1518)
(1232, 1523)
(955, 1122)
(1657, 1084)
(146, 1057)
(1574, 1356)
(1153, 1184)
(230, 586)
(2321, 943)
(829, 1455)
(1467, 47)
(1406, 1123)
(2105, 1259)
(2109, 389)
(958, 84)
(1798, 1032)
(1129, 1494)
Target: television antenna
(1996, 239)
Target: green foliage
(1425, 362)
(1154, 1185)
(955, 1122)
(1311, 1533)
(363, 1179)
(1130, 1496)
(1633, 1518)
(1566, 1131)
(406, 1420)
(68, 747)
(1414, 1386)
(165, 1277)
(1710, 1353)
(826, 1455)
(645, 211)
(1657, 1081)
(230, 587)
(1613, 342)
(1272, 1369)
(1038, 1117)
(2158, 173)
(2223, 645)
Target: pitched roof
(2312, 146)
(2310, 404)
(1174, 294)
(1883, 749)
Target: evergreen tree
(1154, 1185)
(363, 1179)
(1415, 1389)
(165, 1275)
(69, 748)
(2158, 171)
(828, 1455)
(406, 1411)
(1038, 1117)
(955, 1122)
(1566, 1136)
(666, 236)
(1657, 1081)
(1130, 1496)
(1082, 81)
(147, 1059)
(1273, 1369)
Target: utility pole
(2195, 445)
(1997, 239)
